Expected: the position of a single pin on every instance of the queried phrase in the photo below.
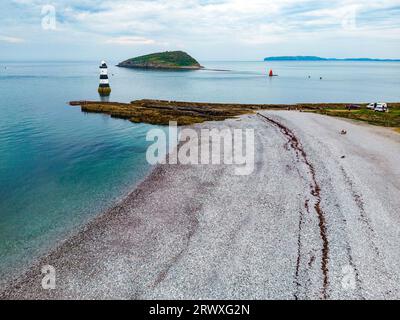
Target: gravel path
(319, 218)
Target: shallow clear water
(59, 167)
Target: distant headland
(314, 58)
(172, 60)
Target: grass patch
(384, 119)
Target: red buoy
(271, 73)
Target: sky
(207, 29)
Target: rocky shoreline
(157, 66)
(161, 112)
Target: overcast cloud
(208, 29)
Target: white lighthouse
(104, 86)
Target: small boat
(271, 73)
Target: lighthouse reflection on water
(104, 85)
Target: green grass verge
(385, 119)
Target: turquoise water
(59, 166)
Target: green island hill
(171, 60)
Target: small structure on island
(104, 86)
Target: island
(170, 60)
(314, 58)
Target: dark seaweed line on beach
(315, 192)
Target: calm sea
(60, 167)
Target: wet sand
(317, 219)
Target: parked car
(353, 107)
(378, 106)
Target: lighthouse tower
(104, 86)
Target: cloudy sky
(207, 29)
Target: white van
(379, 107)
